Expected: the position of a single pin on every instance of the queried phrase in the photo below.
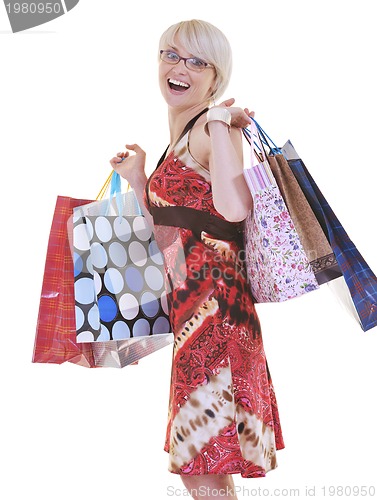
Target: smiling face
(181, 87)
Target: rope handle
(104, 188)
(106, 185)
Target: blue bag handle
(115, 189)
(250, 136)
(273, 150)
(264, 138)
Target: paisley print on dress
(222, 416)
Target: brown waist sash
(197, 221)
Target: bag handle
(266, 139)
(252, 136)
(114, 181)
(108, 182)
(104, 188)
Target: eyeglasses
(192, 63)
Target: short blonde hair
(203, 40)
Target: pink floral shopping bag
(277, 266)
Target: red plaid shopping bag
(55, 339)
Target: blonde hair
(203, 40)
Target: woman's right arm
(132, 168)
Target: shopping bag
(119, 283)
(276, 264)
(359, 278)
(312, 236)
(55, 338)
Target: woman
(223, 417)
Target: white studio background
(73, 93)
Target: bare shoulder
(200, 143)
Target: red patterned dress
(223, 416)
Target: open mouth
(178, 86)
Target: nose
(181, 67)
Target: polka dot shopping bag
(119, 280)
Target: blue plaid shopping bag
(360, 279)
(358, 276)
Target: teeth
(181, 84)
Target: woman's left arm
(231, 195)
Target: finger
(134, 147)
(249, 113)
(117, 159)
(248, 119)
(228, 102)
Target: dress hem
(259, 474)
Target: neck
(178, 119)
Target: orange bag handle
(104, 188)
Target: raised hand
(130, 166)
(240, 117)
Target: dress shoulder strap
(187, 128)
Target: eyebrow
(176, 50)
